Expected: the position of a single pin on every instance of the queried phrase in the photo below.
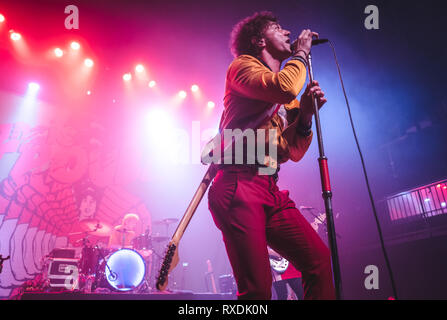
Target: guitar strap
(211, 146)
(268, 114)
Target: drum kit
(126, 269)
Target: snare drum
(124, 271)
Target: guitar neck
(192, 207)
(171, 258)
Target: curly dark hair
(246, 29)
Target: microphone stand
(327, 193)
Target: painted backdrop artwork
(53, 177)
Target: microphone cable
(382, 243)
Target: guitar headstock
(210, 267)
(169, 262)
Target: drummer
(123, 234)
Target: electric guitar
(171, 258)
(279, 265)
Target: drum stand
(97, 278)
(156, 262)
(146, 286)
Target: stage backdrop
(57, 168)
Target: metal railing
(422, 202)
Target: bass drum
(124, 271)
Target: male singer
(248, 207)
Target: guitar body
(279, 265)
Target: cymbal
(160, 238)
(95, 227)
(123, 231)
(166, 221)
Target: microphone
(316, 42)
(112, 276)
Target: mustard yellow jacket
(251, 88)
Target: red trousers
(251, 213)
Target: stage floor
(125, 296)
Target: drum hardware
(95, 228)
(113, 275)
(124, 233)
(122, 270)
(166, 221)
(160, 238)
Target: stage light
(139, 68)
(58, 52)
(427, 200)
(443, 204)
(33, 87)
(182, 94)
(194, 88)
(2, 18)
(157, 120)
(211, 104)
(88, 63)
(75, 45)
(438, 186)
(28, 111)
(15, 36)
(127, 77)
(89, 92)
(152, 84)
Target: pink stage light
(194, 88)
(2, 18)
(88, 63)
(58, 52)
(182, 94)
(152, 84)
(75, 45)
(89, 92)
(157, 120)
(28, 109)
(127, 77)
(15, 36)
(211, 104)
(139, 68)
(33, 87)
